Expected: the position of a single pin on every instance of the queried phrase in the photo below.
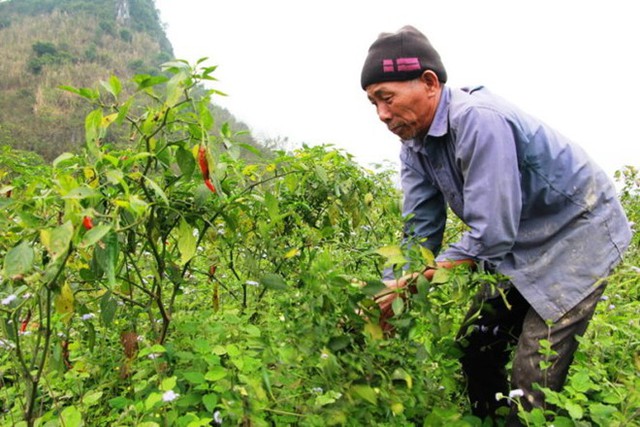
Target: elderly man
(538, 211)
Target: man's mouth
(395, 128)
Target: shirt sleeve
(487, 155)
(423, 207)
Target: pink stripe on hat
(408, 64)
(387, 66)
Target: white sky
(292, 68)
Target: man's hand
(398, 288)
(394, 289)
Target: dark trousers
(487, 340)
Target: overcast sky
(292, 68)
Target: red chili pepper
(204, 167)
(202, 160)
(209, 185)
(87, 222)
(25, 322)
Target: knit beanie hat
(401, 56)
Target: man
(538, 211)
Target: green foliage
(133, 295)
(46, 54)
(57, 43)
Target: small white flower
(282, 318)
(6, 344)
(604, 298)
(217, 417)
(317, 390)
(251, 283)
(169, 396)
(516, 393)
(88, 316)
(153, 356)
(8, 300)
(636, 269)
(612, 306)
(324, 355)
(27, 295)
(484, 328)
(140, 338)
(495, 330)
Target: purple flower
(8, 300)
(169, 396)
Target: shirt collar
(439, 125)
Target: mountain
(48, 43)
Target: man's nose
(383, 113)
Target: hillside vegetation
(45, 44)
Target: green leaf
(168, 383)
(187, 243)
(71, 417)
(93, 126)
(91, 397)
(145, 81)
(602, 414)
(440, 276)
(271, 203)
(156, 348)
(92, 236)
(575, 410)
(186, 162)
(80, 193)
(64, 301)
(373, 287)
(106, 255)
(339, 343)
(63, 158)
(118, 402)
(366, 393)
(19, 260)
(215, 373)
(84, 92)
(57, 241)
(156, 188)
(194, 377)
(374, 331)
(273, 281)
(175, 87)
(210, 401)
(401, 374)
(397, 306)
(152, 400)
(393, 255)
(113, 86)
(108, 307)
(206, 118)
(427, 256)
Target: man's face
(407, 107)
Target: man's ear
(430, 78)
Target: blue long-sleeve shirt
(538, 209)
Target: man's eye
(387, 99)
